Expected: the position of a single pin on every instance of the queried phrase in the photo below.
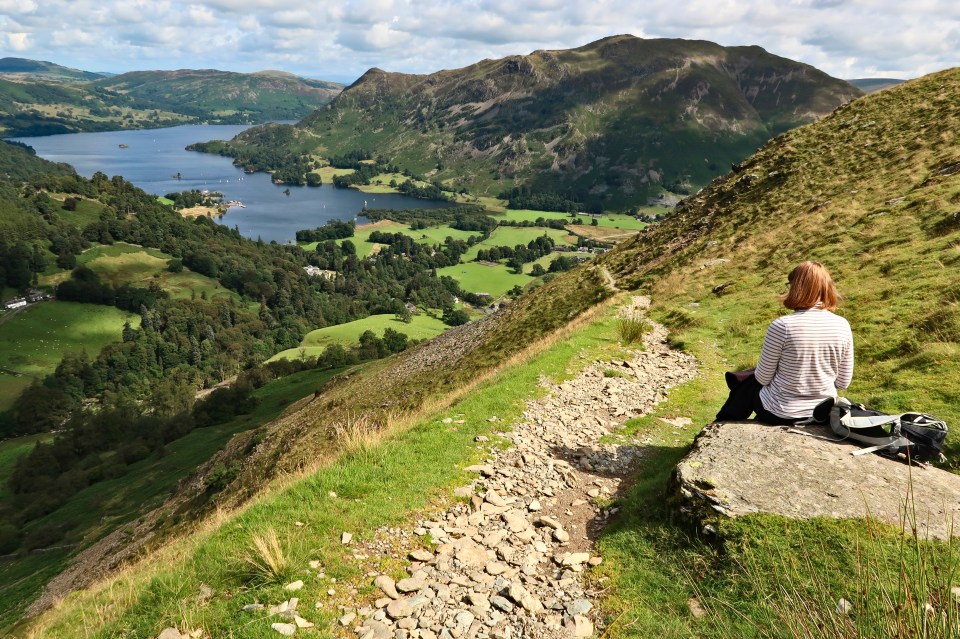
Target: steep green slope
(873, 191)
(610, 123)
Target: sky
(340, 40)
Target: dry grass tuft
(267, 558)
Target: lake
(152, 157)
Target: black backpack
(917, 435)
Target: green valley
(478, 420)
(871, 190)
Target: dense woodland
(214, 339)
(143, 385)
(128, 401)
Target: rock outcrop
(739, 468)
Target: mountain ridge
(31, 104)
(610, 123)
(25, 67)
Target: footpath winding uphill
(509, 563)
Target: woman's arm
(770, 353)
(845, 374)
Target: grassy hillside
(19, 68)
(100, 508)
(34, 104)
(872, 190)
(420, 327)
(222, 94)
(609, 124)
(122, 263)
(34, 340)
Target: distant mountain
(22, 68)
(30, 105)
(609, 123)
(260, 96)
(872, 85)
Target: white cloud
(18, 41)
(339, 40)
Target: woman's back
(806, 356)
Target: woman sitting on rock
(806, 355)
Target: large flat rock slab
(739, 468)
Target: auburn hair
(811, 285)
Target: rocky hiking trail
(510, 562)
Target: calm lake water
(153, 157)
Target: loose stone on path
(508, 563)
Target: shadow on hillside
(643, 494)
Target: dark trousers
(744, 399)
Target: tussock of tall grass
(357, 432)
(630, 328)
(896, 587)
(267, 559)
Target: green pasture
(610, 220)
(438, 234)
(421, 326)
(87, 211)
(512, 236)
(432, 235)
(100, 508)
(481, 278)
(327, 173)
(381, 183)
(130, 264)
(34, 340)
(530, 215)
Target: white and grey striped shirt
(806, 356)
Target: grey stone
(526, 600)
(421, 555)
(793, 476)
(515, 520)
(550, 522)
(464, 619)
(579, 607)
(169, 633)
(483, 469)
(493, 498)
(285, 629)
(399, 608)
(575, 558)
(580, 626)
(376, 630)
(502, 603)
(347, 619)
(470, 553)
(495, 538)
(252, 607)
(387, 586)
(410, 584)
